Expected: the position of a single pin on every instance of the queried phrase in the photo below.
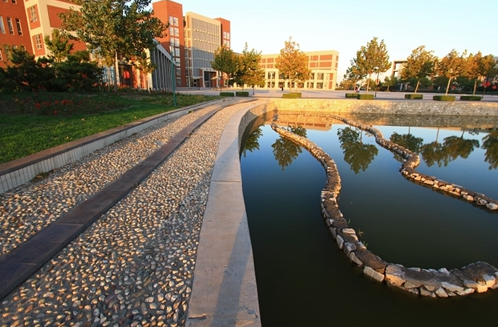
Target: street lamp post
(173, 80)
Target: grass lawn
(31, 122)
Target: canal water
(305, 280)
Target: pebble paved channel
(134, 266)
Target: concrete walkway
(224, 291)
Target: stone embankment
(476, 277)
(412, 160)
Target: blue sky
(440, 25)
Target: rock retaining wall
(476, 277)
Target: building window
(175, 21)
(1, 56)
(18, 25)
(14, 1)
(38, 41)
(177, 31)
(10, 25)
(33, 16)
(171, 20)
(177, 52)
(2, 26)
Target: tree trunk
(475, 87)
(416, 87)
(448, 86)
(116, 71)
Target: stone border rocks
(412, 160)
(476, 277)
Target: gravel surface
(134, 266)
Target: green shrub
(414, 96)
(470, 98)
(227, 94)
(292, 95)
(365, 96)
(242, 94)
(443, 98)
(352, 95)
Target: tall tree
(250, 71)
(293, 63)
(479, 67)
(59, 45)
(353, 74)
(227, 62)
(112, 28)
(452, 66)
(420, 64)
(372, 58)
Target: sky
(345, 26)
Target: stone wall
(394, 107)
(441, 283)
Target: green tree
(389, 82)
(479, 67)
(145, 65)
(452, 66)
(419, 65)
(112, 28)
(250, 71)
(372, 58)
(24, 73)
(77, 73)
(353, 75)
(292, 63)
(227, 62)
(59, 45)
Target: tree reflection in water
(490, 144)
(286, 151)
(407, 141)
(356, 154)
(252, 141)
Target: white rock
(489, 280)
(440, 292)
(452, 287)
(492, 206)
(340, 241)
(354, 258)
(368, 271)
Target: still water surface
(304, 280)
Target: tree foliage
(479, 67)
(293, 63)
(452, 66)
(353, 75)
(227, 62)
(59, 45)
(250, 72)
(76, 74)
(420, 64)
(27, 74)
(114, 27)
(372, 58)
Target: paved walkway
(119, 272)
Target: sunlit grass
(30, 122)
